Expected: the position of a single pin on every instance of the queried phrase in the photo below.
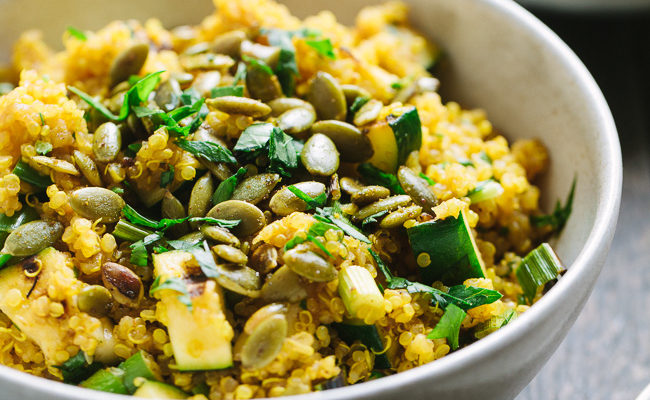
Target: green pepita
(368, 113)
(417, 188)
(95, 300)
(264, 343)
(369, 194)
(284, 104)
(220, 235)
(353, 145)
(97, 202)
(107, 142)
(320, 156)
(387, 204)
(239, 105)
(200, 196)
(309, 265)
(230, 254)
(327, 97)
(284, 285)
(399, 216)
(256, 188)
(125, 286)
(284, 202)
(168, 95)
(252, 218)
(128, 62)
(296, 120)
(32, 237)
(228, 43)
(88, 168)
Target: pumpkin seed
(319, 155)
(256, 188)
(56, 164)
(351, 93)
(239, 279)
(168, 95)
(296, 120)
(284, 202)
(327, 97)
(369, 194)
(182, 77)
(284, 285)
(200, 197)
(239, 105)
(219, 234)
(151, 197)
(220, 170)
(230, 254)
(350, 186)
(418, 86)
(417, 188)
(262, 85)
(198, 48)
(368, 113)
(32, 237)
(107, 142)
(206, 81)
(268, 54)
(128, 62)
(264, 343)
(264, 258)
(387, 204)
(252, 218)
(353, 145)
(309, 265)
(193, 237)
(399, 216)
(284, 104)
(95, 300)
(97, 202)
(124, 284)
(104, 353)
(228, 43)
(88, 168)
(172, 208)
(206, 61)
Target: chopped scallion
(539, 267)
(360, 294)
(485, 190)
(28, 174)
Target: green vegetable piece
(107, 380)
(485, 190)
(539, 267)
(8, 224)
(286, 69)
(207, 150)
(160, 391)
(128, 231)
(28, 174)
(139, 365)
(312, 203)
(76, 33)
(449, 326)
(167, 177)
(368, 335)
(283, 152)
(446, 250)
(560, 215)
(227, 91)
(375, 176)
(323, 47)
(176, 284)
(42, 148)
(334, 215)
(77, 369)
(254, 139)
(408, 133)
(227, 187)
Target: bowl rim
(599, 237)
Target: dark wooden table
(607, 352)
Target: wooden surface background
(607, 352)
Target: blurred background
(607, 353)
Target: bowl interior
(498, 58)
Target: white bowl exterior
(504, 60)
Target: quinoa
(460, 149)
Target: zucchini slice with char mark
(446, 251)
(200, 335)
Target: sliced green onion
(494, 323)
(360, 294)
(77, 368)
(449, 326)
(139, 365)
(539, 267)
(127, 231)
(4, 260)
(77, 33)
(107, 380)
(28, 174)
(485, 190)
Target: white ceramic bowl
(500, 58)
(589, 6)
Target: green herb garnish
(227, 91)
(372, 219)
(136, 218)
(76, 33)
(312, 202)
(258, 64)
(28, 174)
(334, 215)
(449, 326)
(283, 152)
(358, 102)
(323, 47)
(77, 369)
(227, 187)
(375, 176)
(485, 190)
(207, 150)
(430, 181)
(176, 284)
(136, 95)
(560, 215)
(254, 139)
(167, 177)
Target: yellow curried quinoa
(278, 307)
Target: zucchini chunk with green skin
(158, 390)
(22, 286)
(395, 138)
(200, 335)
(539, 267)
(139, 365)
(106, 380)
(353, 330)
(446, 251)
